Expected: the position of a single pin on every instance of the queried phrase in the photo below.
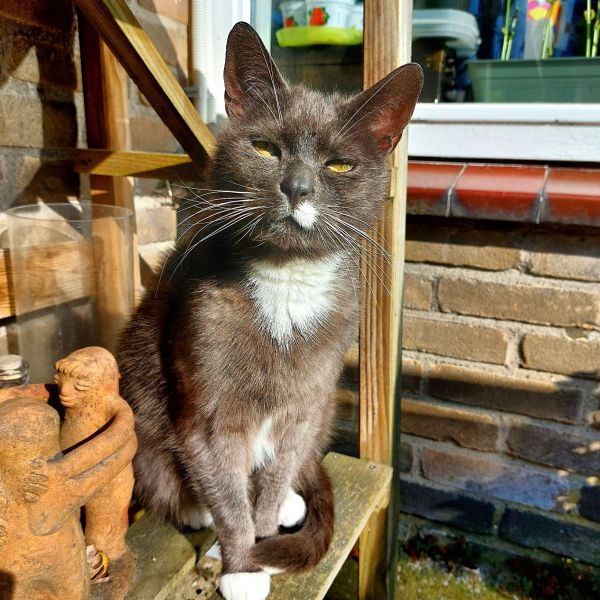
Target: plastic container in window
(14, 371)
(330, 13)
(550, 80)
(457, 28)
(293, 12)
(357, 17)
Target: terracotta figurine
(42, 548)
(88, 382)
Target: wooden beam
(106, 101)
(386, 46)
(152, 165)
(116, 24)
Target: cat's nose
(297, 184)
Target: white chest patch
(295, 296)
(263, 447)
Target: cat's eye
(338, 166)
(266, 148)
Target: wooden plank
(386, 46)
(106, 102)
(7, 298)
(152, 165)
(115, 22)
(360, 486)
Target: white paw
(197, 517)
(273, 570)
(293, 510)
(245, 586)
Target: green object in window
(291, 37)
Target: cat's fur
(231, 366)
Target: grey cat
(231, 364)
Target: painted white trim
(545, 132)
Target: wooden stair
(164, 556)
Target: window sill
(531, 194)
(533, 132)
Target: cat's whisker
(362, 234)
(340, 249)
(335, 230)
(232, 221)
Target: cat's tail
(304, 549)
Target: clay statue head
(92, 369)
(29, 432)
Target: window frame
(506, 131)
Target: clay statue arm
(84, 457)
(64, 495)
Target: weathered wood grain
(386, 46)
(152, 165)
(123, 34)
(163, 556)
(360, 488)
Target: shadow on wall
(37, 83)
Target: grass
(425, 579)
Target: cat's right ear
(250, 74)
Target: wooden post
(105, 87)
(387, 45)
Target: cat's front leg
(276, 503)
(219, 468)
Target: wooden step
(361, 488)
(164, 556)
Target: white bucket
(332, 13)
(294, 13)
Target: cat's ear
(385, 108)
(250, 75)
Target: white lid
(457, 27)
(10, 362)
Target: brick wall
(501, 367)
(41, 102)
(42, 116)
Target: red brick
(461, 246)
(499, 192)
(30, 123)
(481, 476)
(170, 40)
(412, 374)
(463, 427)
(57, 15)
(457, 339)
(418, 292)
(562, 354)
(566, 256)
(555, 448)
(573, 196)
(544, 304)
(516, 394)
(571, 540)
(428, 185)
(174, 9)
(152, 135)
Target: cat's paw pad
(245, 586)
(293, 510)
(197, 517)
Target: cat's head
(305, 171)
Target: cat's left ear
(386, 107)
(250, 74)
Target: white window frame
(492, 131)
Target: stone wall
(501, 366)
